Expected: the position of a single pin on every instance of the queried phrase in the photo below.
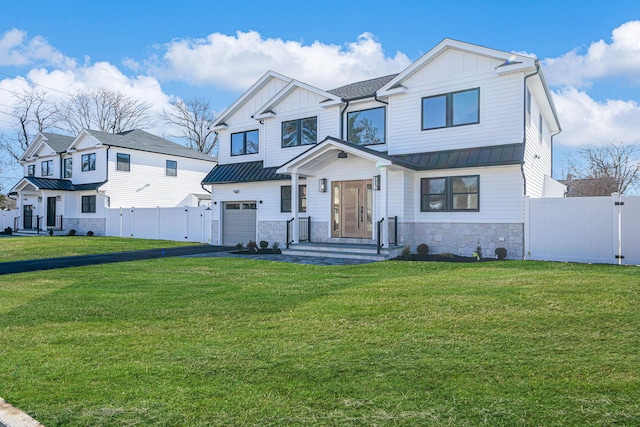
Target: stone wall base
(83, 225)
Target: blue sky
(159, 50)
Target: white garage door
(238, 223)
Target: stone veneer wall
(215, 232)
(462, 239)
(273, 231)
(82, 225)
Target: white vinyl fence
(7, 218)
(583, 229)
(186, 224)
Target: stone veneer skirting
(82, 225)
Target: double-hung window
(450, 194)
(245, 143)
(451, 109)
(67, 166)
(31, 170)
(366, 127)
(88, 204)
(172, 168)
(300, 132)
(88, 162)
(285, 198)
(123, 162)
(47, 168)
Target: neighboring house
(450, 146)
(589, 187)
(69, 182)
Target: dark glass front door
(27, 214)
(51, 211)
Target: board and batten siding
(146, 183)
(501, 110)
(300, 104)
(537, 155)
(501, 199)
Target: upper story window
(528, 95)
(366, 127)
(123, 162)
(88, 162)
(47, 168)
(540, 123)
(285, 198)
(451, 109)
(172, 168)
(245, 143)
(67, 167)
(450, 194)
(31, 170)
(300, 132)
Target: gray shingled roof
(59, 143)
(363, 89)
(61, 184)
(242, 172)
(140, 140)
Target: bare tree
(105, 110)
(193, 120)
(33, 114)
(614, 161)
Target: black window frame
(384, 129)
(449, 109)
(31, 170)
(88, 204)
(244, 142)
(449, 194)
(91, 166)
(46, 168)
(299, 133)
(285, 199)
(69, 161)
(171, 171)
(123, 159)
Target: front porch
(369, 252)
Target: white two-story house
(69, 182)
(443, 153)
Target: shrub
(406, 253)
(71, 232)
(478, 253)
(423, 249)
(89, 233)
(276, 248)
(264, 244)
(447, 255)
(501, 253)
(252, 247)
(50, 231)
(8, 231)
(239, 246)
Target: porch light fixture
(376, 182)
(342, 155)
(236, 190)
(58, 198)
(39, 199)
(322, 185)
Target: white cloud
(586, 121)
(236, 62)
(17, 50)
(620, 58)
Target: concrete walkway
(13, 417)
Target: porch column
(384, 209)
(294, 208)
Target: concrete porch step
(338, 250)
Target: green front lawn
(223, 341)
(36, 247)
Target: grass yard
(36, 247)
(223, 341)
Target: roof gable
(508, 62)
(220, 121)
(56, 143)
(267, 110)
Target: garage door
(238, 223)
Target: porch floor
(343, 250)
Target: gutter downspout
(524, 123)
(375, 96)
(106, 179)
(342, 117)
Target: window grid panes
(88, 204)
(451, 109)
(245, 143)
(285, 198)
(172, 168)
(450, 194)
(300, 132)
(31, 170)
(366, 127)
(47, 168)
(123, 162)
(88, 162)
